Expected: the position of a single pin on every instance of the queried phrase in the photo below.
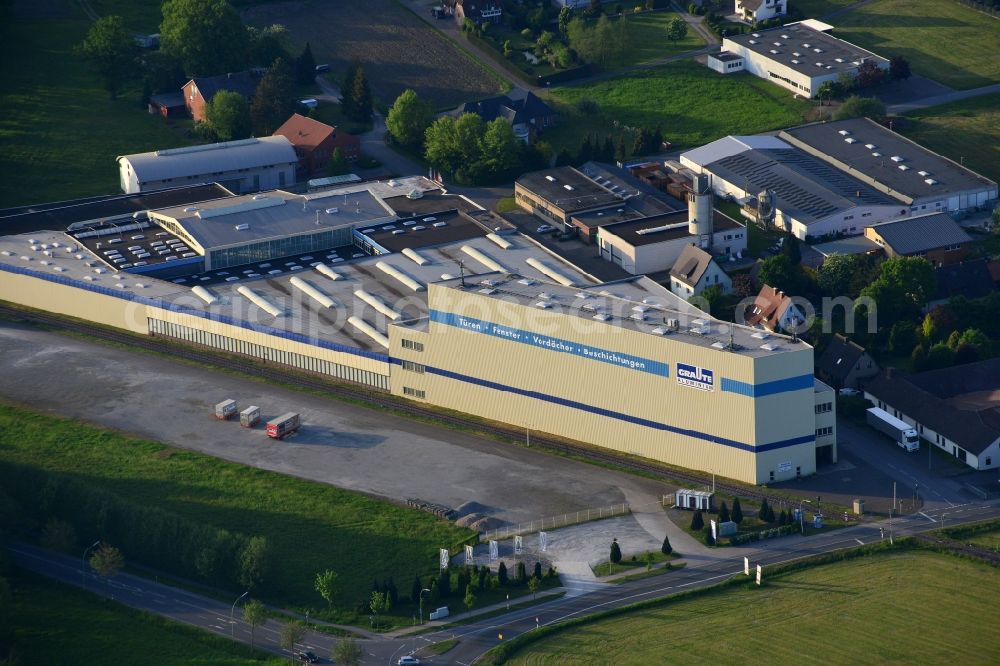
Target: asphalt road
(476, 638)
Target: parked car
(849, 392)
(545, 228)
(408, 660)
(307, 657)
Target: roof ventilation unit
(242, 227)
(897, 158)
(876, 154)
(756, 34)
(551, 179)
(543, 305)
(718, 345)
(796, 62)
(527, 282)
(850, 139)
(568, 188)
(602, 317)
(843, 132)
(903, 167)
(332, 211)
(767, 346)
(924, 173)
(870, 146)
(774, 51)
(930, 181)
(673, 324)
(488, 291)
(753, 41)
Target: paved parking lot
(344, 445)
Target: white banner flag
(758, 574)
(494, 551)
(715, 536)
(746, 566)
(543, 541)
(444, 558)
(518, 544)
(470, 558)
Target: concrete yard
(344, 445)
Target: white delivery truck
(900, 431)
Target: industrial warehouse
(413, 289)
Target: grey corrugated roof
(691, 265)
(920, 234)
(211, 158)
(826, 142)
(805, 187)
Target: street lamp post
(422, 604)
(802, 524)
(83, 561)
(232, 613)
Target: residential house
(479, 11)
(314, 143)
(774, 310)
(527, 114)
(694, 271)
(936, 237)
(845, 364)
(200, 90)
(755, 11)
(954, 409)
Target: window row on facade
(291, 359)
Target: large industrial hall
(405, 288)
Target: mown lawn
(966, 131)
(989, 540)
(57, 624)
(819, 8)
(905, 608)
(309, 526)
(692, 104)
(59, 131)
(647, 39)
(944, 41)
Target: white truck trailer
(900, 431)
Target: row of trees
(869, 76)
(155, 537)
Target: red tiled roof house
(315, 142)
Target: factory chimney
(700, 210)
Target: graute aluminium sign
(695, 377)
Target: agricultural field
(309, 526)
(56, 624)
(692, 105)
(59, 131)
(944, 41)
(966, 131)
(399, 50)
(901, 607)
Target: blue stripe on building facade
(767, 388)
(550, 343)
(600, 411)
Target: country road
(477, 637)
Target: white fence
(555, 522)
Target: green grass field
(819, 8)
(969, 129)
(310, 526)
(647, 39)
(989, 540)
(59, 131)
(56, 624)
(905, 607)
(692, 104)
(944, 41)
